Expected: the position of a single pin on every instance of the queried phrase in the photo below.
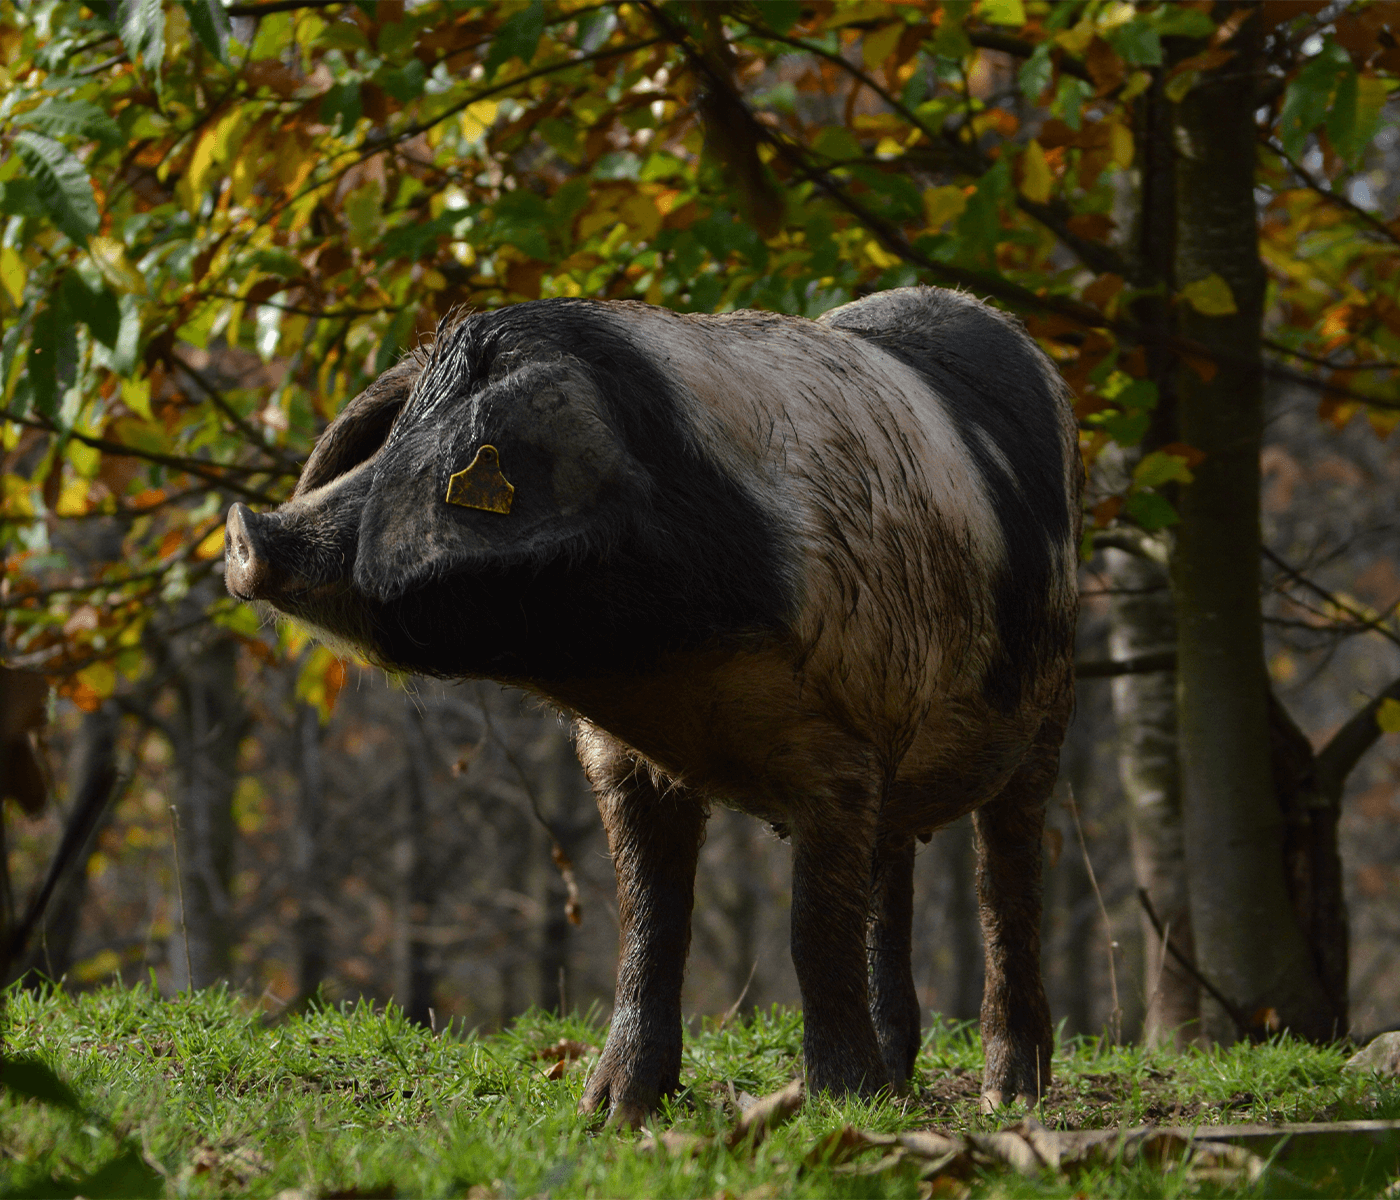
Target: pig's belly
(751, 735)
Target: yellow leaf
(1138, 82)
(1036, 177)
(72, 500)
(1179, 85)
(888, 148)
(136, 395)
(1388, 716)
(191, 186)
(861, 11)
(1076, 40)
(1211, 296)
(942, 204)
(1002, 12)
(880, 256)
(110, 257)
(878, 46)
(13, 274)
(476, 118)
(211, 545)
(1120, 144)
(101, 677)
(641, 214)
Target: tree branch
(1314, 184)
(191, 466)
(1141, 664)
(1375, 624)
(1334, 762)
(1243, 1024)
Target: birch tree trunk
(311, 926)
(1144, 622)
(1248, 939)
(209, 724)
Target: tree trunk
(311, 927)
(1142, 617)
(1247, 937)
(963, 929)
(417, 883)
(208, 727)
(92, 774)
(559, 801)
(1144, 622)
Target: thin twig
(1116, 1017)
(1372, 623)
(180, 889)
(573, 909)
(733, 1010)
(1242, 1023)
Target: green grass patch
(203, 1095)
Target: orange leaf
(1188, 454)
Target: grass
(203, 1095)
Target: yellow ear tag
(482, 485)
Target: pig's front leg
(655, 834)
(1016, 1030)
(894, 1004)
(832, 851)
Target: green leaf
(97, 309)
(1037, 72)
(1305, 102)
(210, 24)
(1211, 296)
(29, 1077)
(1341, 119)
(779, 15)
(73, 118)
(1388, 715)
(1158, 468)
(1137, 43)
(142, 24)
(405, 83)
(53, 354)
(62, 183)
(1002, 12)
(518, 37)
(1150, 511)
(1176, 20)
(128, 347)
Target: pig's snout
(248, 568)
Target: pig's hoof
(614, 1089)
(994, 1101)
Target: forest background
(221, 221)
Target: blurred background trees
(220, 221)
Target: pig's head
(402, 538)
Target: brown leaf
(773, 1110)
(674, 1142)
(1104, 66)
(564, 1050)
(269, 73)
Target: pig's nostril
(240, 547)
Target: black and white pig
(819, 571)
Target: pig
(823, 572)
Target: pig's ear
(574, 485)
(362, 427)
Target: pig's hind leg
(655, 833)
(833, 851)
(894, 1004)
(1016, 1030)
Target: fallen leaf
(767, 1114)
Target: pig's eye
(353, 439)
